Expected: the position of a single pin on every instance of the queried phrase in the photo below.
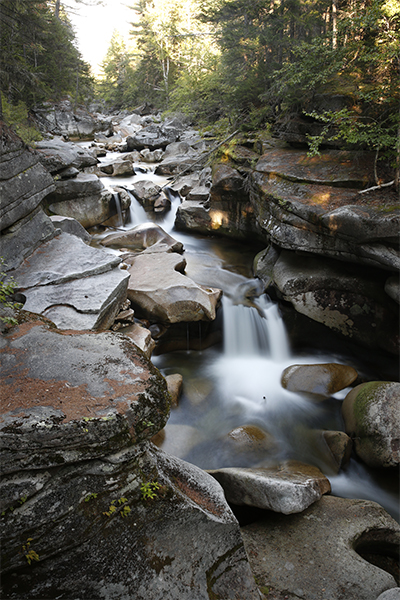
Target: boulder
(160, 292)
(162, 204)
(178, 157)
(184, 184)
(199, 193)
(122, 168)
(81, 304)
(340, 446)
(80, 186)
(73, 284)
(351, 301)
(195, 216)
(248, 444)
(91, 509)
(337, 548)
(321, 379)
(288, 488)
(90, 210)
(151, 157)
(146, 192)
(62, 259)
(152, 137)
(174, 386)
(393, 594)
(24, 182)
(141, 338)
(371, 412)
(56, 155)
(147, 236)
(53, 396)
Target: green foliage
(149, 490)
(17, 118)
(118, 505)
(29, 553)
(7, 288)
(90, 497)
(38, 58)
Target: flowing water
(237, 384)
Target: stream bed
(236, 383)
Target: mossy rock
(371, 412)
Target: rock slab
(317, 554)
(288, 488)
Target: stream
(236, 383)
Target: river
(235, 384)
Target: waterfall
(117, 202)
(251, 331)
(137, 214)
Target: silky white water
(238, 383)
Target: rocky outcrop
(24, 183)
(223, 210)
(75, 122)
(287, 488)
(351, 301)
(89, 507)
(334, 549)
(371, 413)
(74, 285)
(293, 197)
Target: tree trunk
(57, 9)
(334, 23)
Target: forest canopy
(253, 64)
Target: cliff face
(24, 183)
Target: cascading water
(118, 208)
(240, 384)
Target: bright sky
(94, 26)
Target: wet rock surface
(288, 488)
(324, 551)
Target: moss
(365, 396)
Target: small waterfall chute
(118, 208)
